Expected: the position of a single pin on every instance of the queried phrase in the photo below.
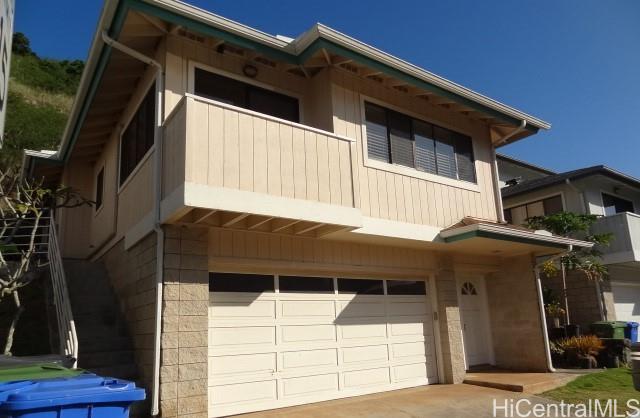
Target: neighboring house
(599, 191)
(312, 219)
(513, 171)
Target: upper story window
(237, 93)
(137, 138)
(614, 204)
(393, 137)
(99, 188)
(518, 215)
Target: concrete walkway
(435, 401)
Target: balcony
(625, 246)
(229, 167)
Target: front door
(474, 319)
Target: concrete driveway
(435, 401)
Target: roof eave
(456, 234)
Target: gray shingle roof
(534, 184)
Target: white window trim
(243, 79)
(408, 171)
(125, 125)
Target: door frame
(460, 279)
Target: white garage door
(296, 340)
(626, 298)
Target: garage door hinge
(435, 316)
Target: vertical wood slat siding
(229, 148)
(242, 245)
(397, 197)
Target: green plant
(573, 225)
(585, 345)
(556, 348)
(554, 310)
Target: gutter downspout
(494, 169)
(543, 315)
(157, 180)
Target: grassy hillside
(41, 91)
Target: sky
(573, 63)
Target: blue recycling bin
(83, 396)
(631, 331)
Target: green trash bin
(38, 371)
(609, 329)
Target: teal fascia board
(501, 237)
(211, 31)
(103, 59)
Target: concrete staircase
(104, 344)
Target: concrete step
(531, 383)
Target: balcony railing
(625, 245)
(225, 158)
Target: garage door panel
(410, 371)
(242, 363)
(363, 330)
(243, 309)
(418, 308)
(366, 377)
(363, 354)
(239, 393)
(309, 358)
(300, 333)
(409, 349)
(280, 349)
(233, 336)
(297, 386)
(355, 309)
(307, 308)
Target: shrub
(585, 345)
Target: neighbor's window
(237, 93)
(614, 204)
(99, 188)
(518, 215)
(137, 138)
(399, 139)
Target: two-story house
(286, 221)
(601, 191)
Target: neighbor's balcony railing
(222, 157)
(625, 245)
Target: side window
(236, 93)
(613, 204)
(360, 286)
(242, 283)
(137, 138)
(99, 188)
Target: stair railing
(66, 326)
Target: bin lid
(26, 371)
(84, 389)
(633, 324)
(612, 324)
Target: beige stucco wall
(515, 322)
